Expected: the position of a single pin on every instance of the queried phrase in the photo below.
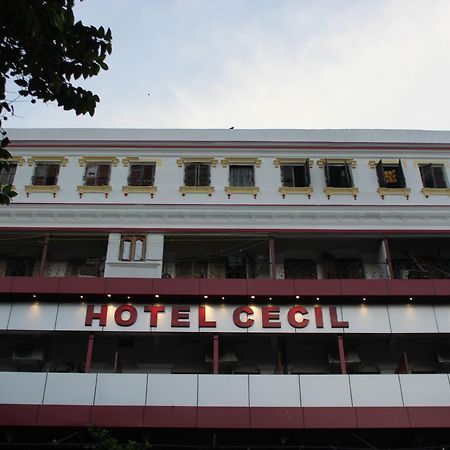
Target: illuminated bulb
(205, 296)
(297, 297)
(223, 298)
(34, 295)
(410, 299)
(364, 299)
(109, 295)
(252, 296)
(270, 298)
(156, 295)
(128, 297)
(81, 296)
(317, 298)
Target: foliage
(107, 442)
(43, 51)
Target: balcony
(239, 354)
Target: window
(342, 268)
(97, 174)
(7, 174)
(300, 269)
(242, 176)
(433, 176)
(338, 175)
(141, 175)
(390, 175)
(19, 267)
(132, 248)
(197, 174)
(45, 174)
(295, 175)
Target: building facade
(239, 287)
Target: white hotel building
(227, 287)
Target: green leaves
(44, 50)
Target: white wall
(151, 267)
(225, 390)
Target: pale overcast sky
(266, 64)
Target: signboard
(225, 318)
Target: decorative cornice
(277, 162)
(98, 160)
(48, 159)
(142, 219)
(138, 160)
(321, 162)
(329, 191)
(197, 190)
(238, 160)
(203, 160)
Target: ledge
(48, 189)
(393, 290)
(394, 191)
(241, 190)
(277, 162)
(374, 162)
(48, 159)
(321, 162)
(296, 190)
(98, 159)
(139, 190)
(329, 191)
(137, 160)
(202, 160)
(237, 160)
(424, 162)
(94, 190)
(196, 190)
(435, 191)
(19, 160)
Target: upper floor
(232, 167)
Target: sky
(266, 64)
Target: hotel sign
(206, 317)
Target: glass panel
(126, 250)
(7, 176)
(241, 176)
(138, 250)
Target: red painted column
(90, 349)
(342, 355)
(273, 268)
(44, 256)
(216, 354)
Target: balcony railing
(414, 270)
(289, 269)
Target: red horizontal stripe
(225, 417)
(226, 287)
